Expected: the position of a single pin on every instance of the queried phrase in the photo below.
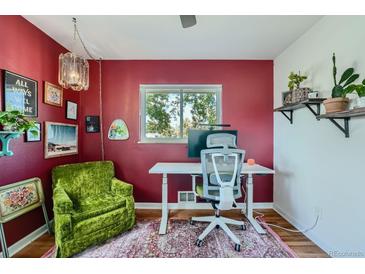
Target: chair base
(218, 221)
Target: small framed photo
(53, 95)
(32, 136)
(92, 124)
(71, 110)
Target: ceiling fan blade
(188, 21)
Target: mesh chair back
(221, 168)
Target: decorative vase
(336, 104)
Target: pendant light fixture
(73, 71)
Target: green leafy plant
(15, 121)
(295, 80)
(360, 88)
(343, 86)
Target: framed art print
(60, 140)
(118, 130)
(34, 137)
(20, 93)
(53, 95)
(71, 110)
(92, 124)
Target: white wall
(318, 169)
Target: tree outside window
(169, 113)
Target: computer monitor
(197, 140)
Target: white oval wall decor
(118, 130)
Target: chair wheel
(237, 247)
(198, 242)
(243, 227)
(191, 222)
(216, 226)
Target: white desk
(195, 168)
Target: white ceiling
(162, 37)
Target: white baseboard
(196, 205)
(19, 245)
(293, 221)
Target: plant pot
(300, 94)
(336, 104)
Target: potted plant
(16, 122)
(298, 93)
(339, 102)
(295, 80)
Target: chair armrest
(62, 226)
(61, 202)
(120, 187)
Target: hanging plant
(17, 122)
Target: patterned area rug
(143, 241)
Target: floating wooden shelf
(345, 116)
(288, 110)
(5, 137)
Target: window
(168, 111)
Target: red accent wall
(90, 105)
(247, 105)
(26, 50)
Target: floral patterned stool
(17, 199)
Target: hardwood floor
(301, 245)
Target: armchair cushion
(122, 188)
(62, 203)
(109, 219)
(96, 205)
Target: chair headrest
(224, 140)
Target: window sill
(170, 142)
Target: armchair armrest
(120, 187)
(61, 202)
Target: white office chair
(221, 168)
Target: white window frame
(144, 89)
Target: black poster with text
(20, 93)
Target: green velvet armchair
(90, 205)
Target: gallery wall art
(92, 124)
(53, 94)
(34, 136)
(71, 110)
(60, 139)
(20, 93)
(118, 130)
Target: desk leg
(164, 209)
(249, 205)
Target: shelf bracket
(289, 117)
(315, 113)
(5, 140)
(345, 129)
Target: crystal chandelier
(73, 71)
